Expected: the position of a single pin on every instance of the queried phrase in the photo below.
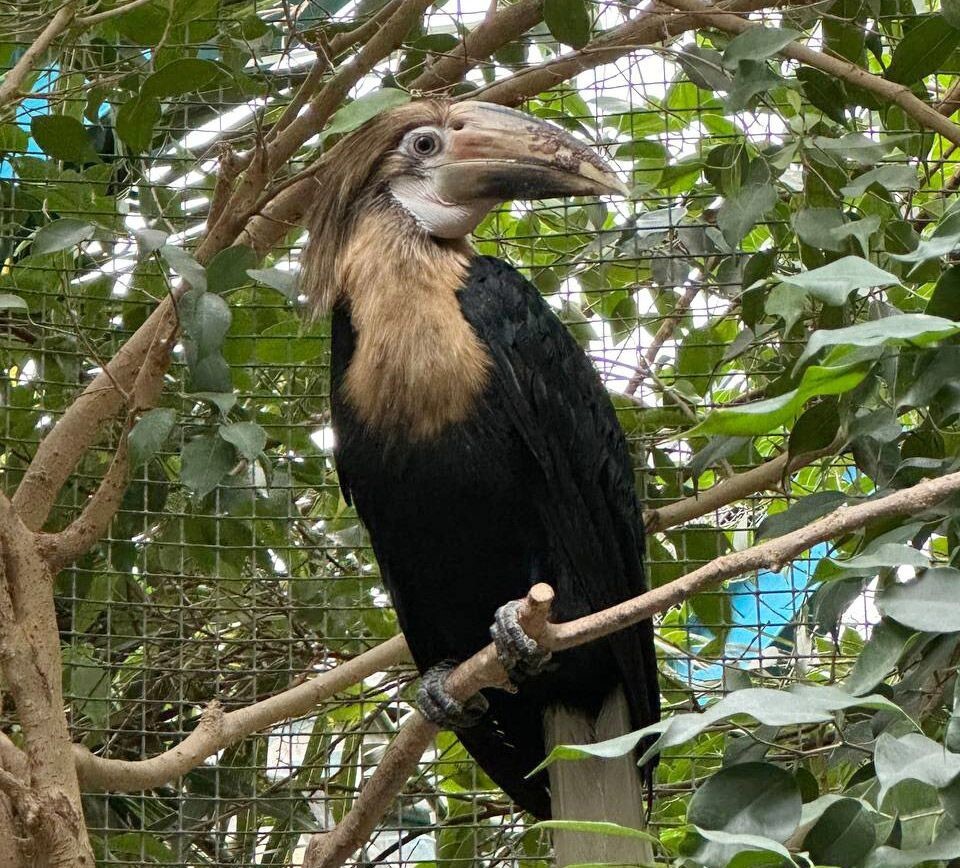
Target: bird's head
(433, 169)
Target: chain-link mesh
(255, 573)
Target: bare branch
(218, 729)
(138, 369)
(768, 475)
(664, 333)
(12, 758)
(31, 665)
(494, 32)
(86, 529)
(13, 80)
(924, 114)
(359, 35)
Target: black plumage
(536, 486)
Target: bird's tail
(609, 790)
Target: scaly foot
(439, 707)
(520, 655)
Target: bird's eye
(425, 145)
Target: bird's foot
(439, 707)
(520, 655)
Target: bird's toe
(439, 707)
(519, 654)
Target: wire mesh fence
(236, 571)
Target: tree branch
(491, 34)
(924, 114)
(244, 202)
(98, 17)
(765, 476)
(664, 333)
(31, 665)
(13, 80)
(85, 530)
(218, 729)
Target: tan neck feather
(418, 366)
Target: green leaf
(815, 429)
(752, 78)
(358, 112)
(944, 240)
(741, 211)
(753, 798)
(826, 92)
(924, 50)
(951, 738)
(61, 234)
(930, 604)
(136, 119)
(907, 328)
(950, 10)
(186, 75)
(205, 461)
(149, 434)
(704, 68)
(63, 138)
(228, 269)
(248, 438)
(568, 21)
(858, 147)
(761, 417)
(883, 555)
(205, 319)
(801, 513)
(796, 705)
(844, 834)
(149, 241)
(889, 177)
(834, 282)
(284, 343)
(913, 757)
(89, 684)
(594, 827)
(757, 43)
(733, 845)
(185, 265)
(9, 301)
(818, 227)
(945, 299)
(944, 848)
(223, 401)
(879, 656)
(283, 281)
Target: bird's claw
(439, 707)
(520, 655)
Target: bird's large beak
(498, 154)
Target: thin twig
(218, 729)
(98, 17)
(664, 333)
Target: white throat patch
(435, 216)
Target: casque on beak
(498, 154)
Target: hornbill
(480, 449)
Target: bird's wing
(588, 503)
